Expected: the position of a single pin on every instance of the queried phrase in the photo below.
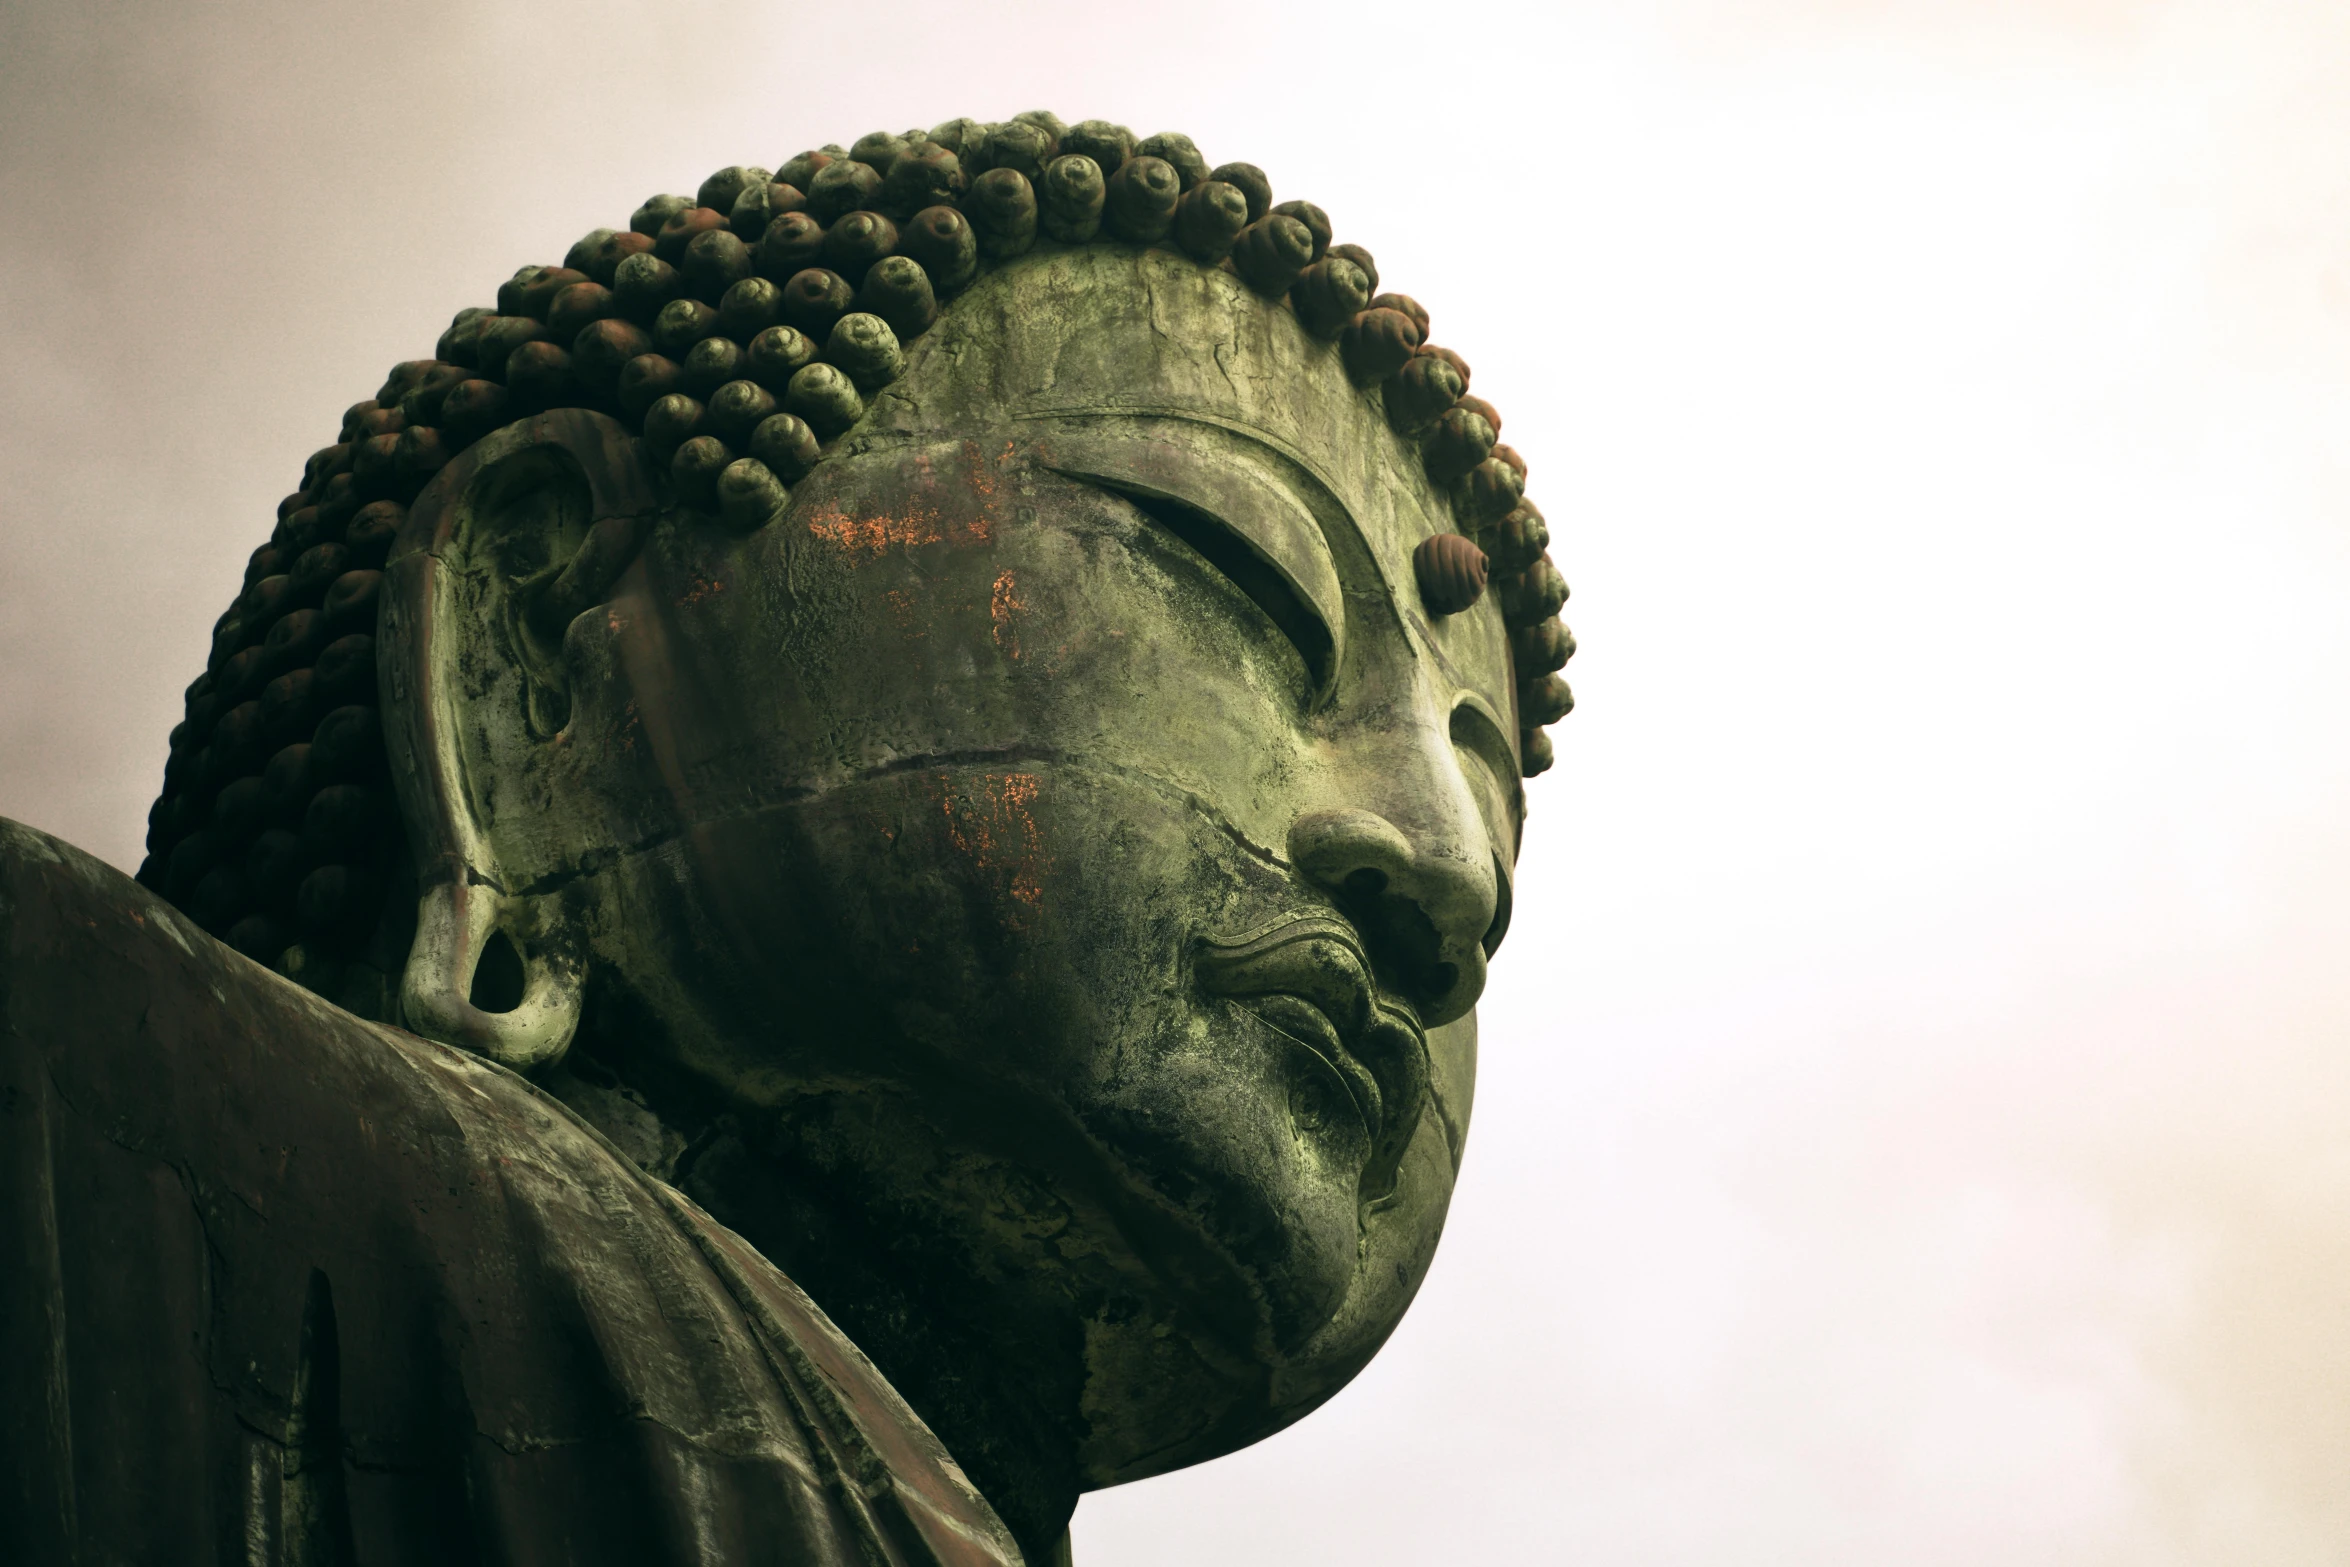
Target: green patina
(1016, 830)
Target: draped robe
(281, 1286)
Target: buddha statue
(828, 887)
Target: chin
(1318, 1277)
(1188, 1126)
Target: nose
(1423, 901)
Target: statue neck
(995, 1375)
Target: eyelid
(1226, 551)
(1251, 509)
(1476, 729)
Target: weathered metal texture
(913, 820)
(609, 327)
(951, 759)
(278, 1285)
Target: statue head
(965, 699)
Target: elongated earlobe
(472, 982)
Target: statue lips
(1309, 978)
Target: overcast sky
(1915, 1113)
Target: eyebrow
(1244, 525)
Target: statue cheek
(1452, 1082)
(944, 898)
(1398, 1244)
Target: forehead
(1152, 341)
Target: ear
(510, 543)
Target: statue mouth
(1309, 978)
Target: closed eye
(1475, 732)
(1502, 797)
(1238, 562)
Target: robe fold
(280, 1286)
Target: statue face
(1065, 830)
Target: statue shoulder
(269, 1271)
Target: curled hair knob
(1328, 294)
(826, 398)
(793, 240)
(1545, 699)
(866, 350)
(1460, 366)
(1407, 306)
(1316, 221)
(750, 307)
(1521, 537)
(1108, 145)
(1361, 258)
(1423, 389)
(670, 422)
(776, 355)
(1376, 344)
(814, 299)
(786, 444)
(682, 229)
(473, 409)
(711, 363)
(1044, 120)
(644, 381)
(1021, 148)
(642, 284)
(683, 323)
(1179, 152)
(799, 170)
(898, 291)
(760, 205)
(749, 496)
(940, 239)
(1250, 181)
(1002, 207)
(853, 244)
(1271, 252)
(1208, 218)
(533, 290)
(723, 189)
(573, 309)
(924, 176)
(878, 150)
(842, 187)
(1460, 440)
(649, 219)
(714, 262)
(1069, 200)
(1479, 405)
(1490, 492)
(737, 408)
(1533, 595)
(695, 468)
(1139, 204)
(539, 375)
(1542, 648)
(610, 248)
(458, 343)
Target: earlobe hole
(498, 976)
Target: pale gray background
(1915, 1123)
